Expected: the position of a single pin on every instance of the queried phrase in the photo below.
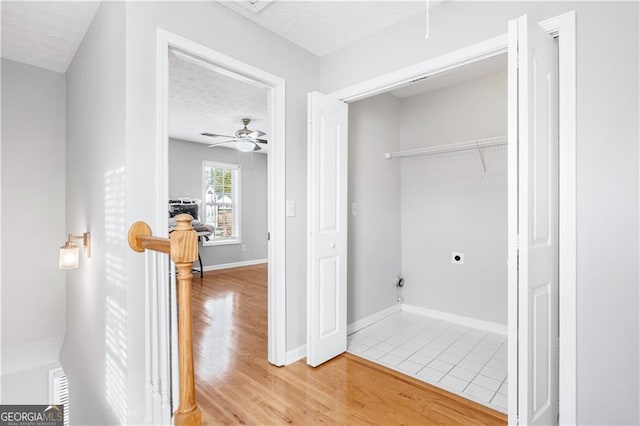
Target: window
(221, 206)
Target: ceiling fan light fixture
(244, 145)
(245, 140)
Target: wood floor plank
(235, 384)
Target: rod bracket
(138, 229)
(484, 165)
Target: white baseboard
(233, 264)
(295, 354)
(492, 327)
(368, 320)
(301, 351)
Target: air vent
(59, 391)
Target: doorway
(273, 125)
(428, 230)
(320, 328)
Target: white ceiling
(203, 100)
(458, 75)
(323, 27)
(45, 33)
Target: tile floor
(466, 361)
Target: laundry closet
(427, 239)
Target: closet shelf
(451, 147)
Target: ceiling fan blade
(261, 141)
(255, 134)
(257, 147)
(215, 135)
(220, 143)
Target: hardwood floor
(236, 384)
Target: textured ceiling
(458, 75)
(45, 33)
(323, 27)
(203, 100)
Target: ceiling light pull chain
(426, 36)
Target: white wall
(607, 169)
(448, 206)
(374, 184)
(185, 180)
(33, 227)
(96, 353)
(607, 156)
(111, 126)
(216, 27)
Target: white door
(533, 126)
(327, 227)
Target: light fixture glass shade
(244, 145)
(69, 256)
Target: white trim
(221, 242)
(512, 238)
(455, 59)
(276, 175)
(295, 354)
(372, 319)
(156, 277)
(276, 191)
(563, 26)
(492, 327)
(234, 264)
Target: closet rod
(451, 147)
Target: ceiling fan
(246, 140)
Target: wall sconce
(70, 252)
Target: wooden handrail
(182, 245)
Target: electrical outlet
(457, 258)
(354, 209)
(244, 248)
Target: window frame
(236, 202)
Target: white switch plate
(457, 258)
(244, 248)
(291, 208)
(354, 209)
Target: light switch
(291, 208)
(354, 209)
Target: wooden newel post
(182, 246)
(184, 251)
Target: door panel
(329, 281)
(327, 225)
(328, 174)
(534, 84)
(541, 330)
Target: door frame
(564, 28)
(276, 162)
